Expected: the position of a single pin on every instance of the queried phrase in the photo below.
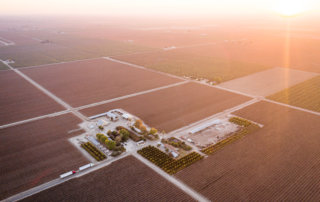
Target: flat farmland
(3, 66)
(30, 50)
(279, 162)
(85, 82)
(37, 152)
(20, 100)
(305, 95)
(39, 54)
(268, 82)
(196, 62)
(125, 180)
(174, 107)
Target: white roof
(111, 115)
(174, 154)
(127, 116)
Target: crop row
(305, 95)
(238, 135)
(240, 121)
(165, 162)
(93, 151)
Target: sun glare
(290, 7)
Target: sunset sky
(153, 7)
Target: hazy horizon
(191, 8)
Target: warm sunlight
(290, 7)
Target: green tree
(153, 131)
(124, 134)
(110, 144)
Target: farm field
(30, 50)
(279, 162)
(194, 62)
(85, 82)
(3, 66)
(21, 100)
(305, 95)
(268, 82)
(37, 152)
(39, 54)
(124, 180)
(174, 107)
(236, 55)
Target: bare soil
(279, 162)
(268, 82)
(125, 180)
(90, 81)
(172, 108)
(20, 100)
(36, 152)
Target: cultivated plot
(85, 82)
(279, 162)
(20, 100)
(305, 95)
(194, 62)
(174, 107)
(3, 66)
(268, 82)
(125, 180)
(36, 152)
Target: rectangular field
(174, 107)
(268, 82)
(20, 100)
(36, 152)
(305, 95)
(195, 62)
(85, 82)
(279, 162)
(125, 180)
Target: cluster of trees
(113, 145)
(177, 143)
(165, 162)
(139, 124)
(132, 135)
(93, 151)
(240, 121)
(151, 134)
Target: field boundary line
(90, 105)
(35, 119)
(227, 111)
(49, 94)
(293, 107)
(130, 95)
(144, 68)
(57, 181)
(185, 188)
(57, 63)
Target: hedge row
(93, 151)
(165, 162)
(239, 121)
(238, 135)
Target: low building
(112, 116)
(127, 116)
(102, 123)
